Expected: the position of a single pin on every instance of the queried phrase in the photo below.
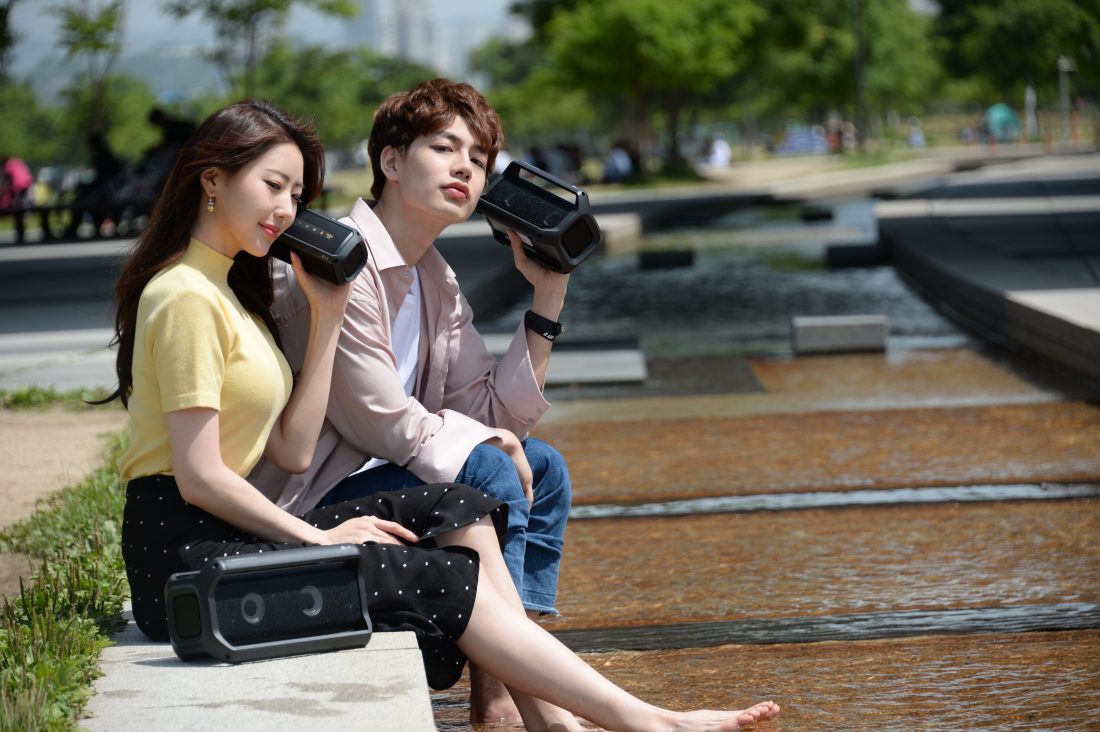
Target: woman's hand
(324, 297)
(294, 436)
(370, 528)
(510, 444)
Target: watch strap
(548, 329)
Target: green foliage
(339, 89)
(243, 27)
(506, 63)
(651, 54)
(1015, 42)
(901, 64)
(52, 632)
(125, 119)
(93, 32)
(593, 69)
(642, 48)
(538, 111)
(29, 131)
(86, 29)
(7, 35)
(806, 67)
(37, 397)
(539, 13)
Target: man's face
(442, 173)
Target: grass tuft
(52, 632)
(38, 397)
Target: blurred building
(401, 28)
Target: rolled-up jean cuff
(539, 603)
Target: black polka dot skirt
(424, 588)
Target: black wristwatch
(548, 329)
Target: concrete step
(145, 686)
(584, 363)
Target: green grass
(37, 397)
(345, 185)
(52, 632)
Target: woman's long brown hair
(229, 139)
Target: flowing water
(926, 559)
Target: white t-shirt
(406, 347)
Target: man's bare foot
(718, 721)
(490, 702)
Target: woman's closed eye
(277, 186)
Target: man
(416, 396)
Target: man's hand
(546, 282)
(510, 444)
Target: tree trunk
(672, 123)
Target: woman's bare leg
(546, 678)
(536, 713)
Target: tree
(243, 27)
(29, 131)
(651, 54)
(93, 30)
(1017, 42)
(7, 35)
(124, 122)
(339, 89)
(804, 63)
(539, 13)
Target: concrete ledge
(839, 333)
(622, 232)
(1063, 325)
(145, 686)
(584, 363)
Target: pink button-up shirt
(461, 391)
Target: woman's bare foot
(719, 721)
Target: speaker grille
(578, 237)
(530, 203)
(354, 262)
(280, 604)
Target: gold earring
(210, 204)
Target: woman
(208, 391)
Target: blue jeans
(533, 544)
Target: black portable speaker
(328, 248)
(557, 230)
(248, 607)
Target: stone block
(839, 333)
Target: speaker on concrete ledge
(279, 603)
